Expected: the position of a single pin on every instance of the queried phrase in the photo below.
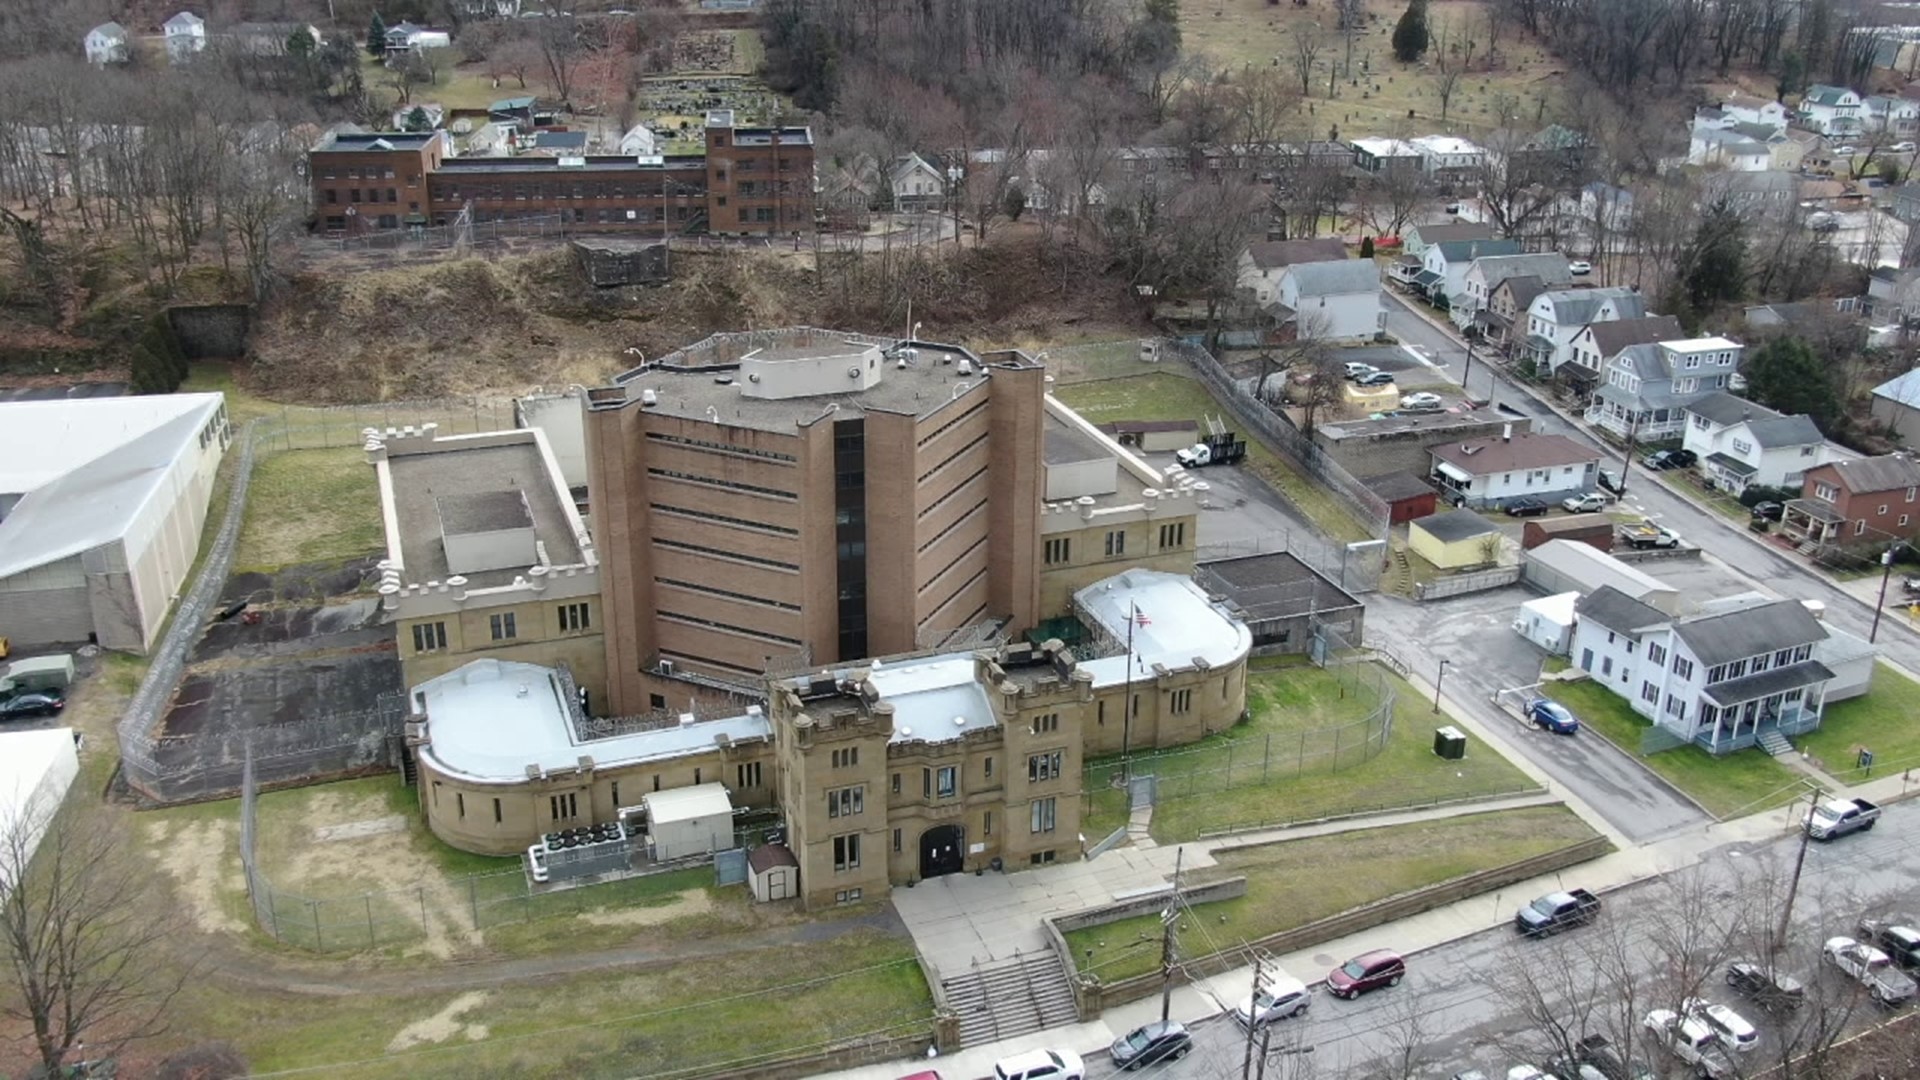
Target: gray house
(1648, 387)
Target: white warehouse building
(102, 501)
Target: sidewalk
(1212, 997)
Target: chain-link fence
(1110, 360)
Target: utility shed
(1594, 530)
(773, 872)
(36, 769)
(1455, 539)
(1547, 621)
(689, 821)
(1571, 566)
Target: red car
(1368, 971)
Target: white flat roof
(86, 468)
(1558, 607)
(1574, 557)
(1700, 344)
(935, 699)
(1172, 620)
(489, 719)
(687, 803)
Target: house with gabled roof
(1418, 238)
(1832, 110)
(1748, 109)
(1743, 443)
(1856, 502)
(1485, 275)
(1597, 343)
(1263, 261)
(1731, 149)
(1490, 472)
(1648, 387)
(1334, 299)
(186, 35)
(1896, 406)
(1443, 266)
(106, 44)
(1557, 315)
(1508, 302)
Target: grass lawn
(1169, 397)
(307, 506)
(1255, 773)
(1288, 884)
(1885, 720)
(1743, 782)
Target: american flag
(1140, 617)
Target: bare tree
(1307, 40)
(558, 40)
(1390, 198)
(513, 58)
(83, 938)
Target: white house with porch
(1500, 469)
(1648, 387)
(1555, 318)
(1722, 680)
(1832, 110)
(1742, 443)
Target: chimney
(1506, 432)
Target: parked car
(1585, 504)
(1579, 266)
(1732, 1029)
(1355, 369)
(1899, 941)
(1768, 511)
(1871, 968)
(1691, 1041)
(1150, 1044)
(1041, 1065)
(1529, 1072)
(1601, 1060)
(1374, 378)
(1422, 401)
(1645, 534)
(1838, 817)
(1824, 224)
(1901, 148)
(1527, 507)
(1845, 150)
(1368, 971)
(1557, 911)
(1669, 459)
(1613, 481)
(32, 703)
(1549, 715)
(1768, 988)
(1283, 996)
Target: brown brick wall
(1017, 471)
(335, 188)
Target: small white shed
(689, 821)
(1548, 622)
(773, 872)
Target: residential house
(186, 35)
(916, 184)
(1893, 295)
(1742, 443)
(1334, 299)
(1443, 273)
(1892, 115)
(106, 44)
(1862, 501)
(1489, 473)
(1606, 206)
(640, 141)
(1376, 155)
(1725, 148)
(1816, 316)
(558, 144)
(1597, 343)
(1551, 154)
(1418, 238)
(1450, 161)
(1508, 302)
(1722, 680)
(1755, 194)
(1648, 387)
(1832, 110)
(1263, 261)
(1748, 109)
(432, 112)
(1556, 316)
(1550, 268)
(405, 37)
(1790, 154)
(1896, 406)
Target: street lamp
(1886, 572)
(954, 175)
(1442, 677)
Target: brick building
(1856, 503)
(751, 181)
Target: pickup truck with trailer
(1645, 534)
(1838, 817)
(1218, 449)
(1558, 911)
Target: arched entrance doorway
(940, 851)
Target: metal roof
(1453, 526)
(1724, 637)
(1778, 680)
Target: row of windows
(1756, 665)
(964, 416)
(708, 481)
(963, 519)
(372, 196)
(742, 597)
(373, 172)
(720, 448)
(951, 458)
(501, 626)
(935, 580)
(564, 189)
(732, 556)
(722, 519)
(957, 489)
(728, 628)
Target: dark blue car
(1549, 715)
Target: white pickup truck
(1691, 1041)
(1871, 968)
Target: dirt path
(219, 956)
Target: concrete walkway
(1428, 930)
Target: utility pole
(1626, 464)
(1437, 680)
(1886, 572)
(1793, 883)
(1467, 372)
(1253, 1021)
(1168, 920)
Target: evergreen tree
(1366, 247)
(1410, 34)
(1793, 75)
(1713, 268)
(417, 120)
(377, 35)
(300, 44)
(1786, 374)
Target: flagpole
(1126, 701)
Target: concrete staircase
(1010, 997)
(1774, 743)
